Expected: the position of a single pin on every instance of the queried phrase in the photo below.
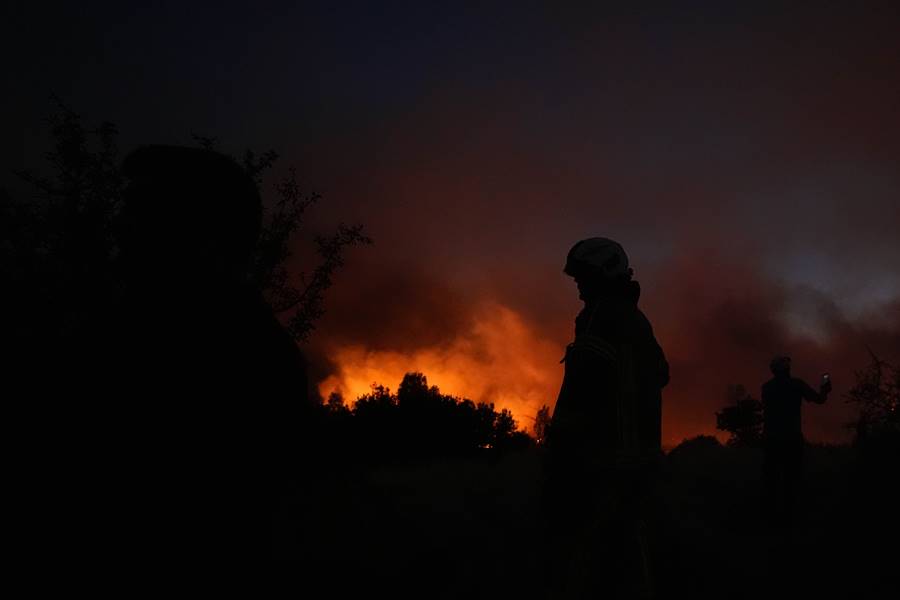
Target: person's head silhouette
(598, 265)
(781, 366)
(188, 213)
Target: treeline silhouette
(417, 422)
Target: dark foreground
(469, 528)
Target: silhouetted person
(605, 434)
(782, 397)
(203, 392)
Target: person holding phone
(782, 398)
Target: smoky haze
(748, 159)
(755, 189)
(719, 320)
(752, 177)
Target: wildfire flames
(498, 359)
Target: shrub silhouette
(742, 418)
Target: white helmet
(597, 257)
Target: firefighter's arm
(590, 391)
(811, 395)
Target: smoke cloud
(718, 320)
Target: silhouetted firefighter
(783, 437)
(604, 438)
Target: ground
(468, 528)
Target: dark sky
(747, 158)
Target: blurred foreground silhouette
(163, 401)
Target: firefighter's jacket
(608, 414)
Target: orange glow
(499, 359)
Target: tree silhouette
(60, 257)
(335, 403)
(304, 303)
(58, 261)
(504, 425)
(300, 304)
(541, 424)
(876, 392)
(742, 418)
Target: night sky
(747, 159)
